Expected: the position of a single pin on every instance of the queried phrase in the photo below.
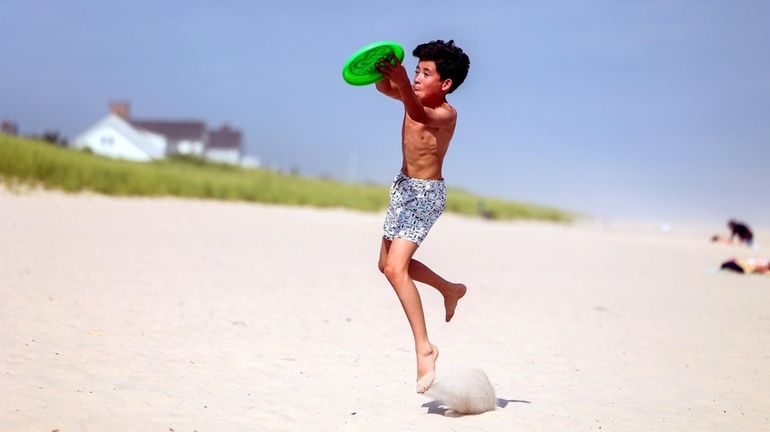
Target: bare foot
(451, 298)
(426, 369)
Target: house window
(107, 141)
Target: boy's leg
(452, 292)
(396, 269)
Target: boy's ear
(446, 85)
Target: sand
(129, 314)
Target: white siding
(106, 141)
(190, 147)
(224, 155)
(156, 141)
(116, 138)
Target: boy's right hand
(393, 70)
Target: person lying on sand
(746, 266)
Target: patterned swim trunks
(415, 205)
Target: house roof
(224, 138)
(177, 130)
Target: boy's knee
(381, 266)
(393, 271)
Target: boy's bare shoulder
(451, 112)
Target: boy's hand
(394, 71)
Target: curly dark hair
(451, 62)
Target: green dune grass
(35, 163)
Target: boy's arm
(435, 117)
(386, 87)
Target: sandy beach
(128, 314)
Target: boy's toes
(424, 383)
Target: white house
(120, 136)
(224, 145)
(115, 137)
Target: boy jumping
(418, 193)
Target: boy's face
(427, 82)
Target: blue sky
(652, 110)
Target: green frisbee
(359, 69)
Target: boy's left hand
(394, 71)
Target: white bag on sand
(467, 391)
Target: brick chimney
(121, 109)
